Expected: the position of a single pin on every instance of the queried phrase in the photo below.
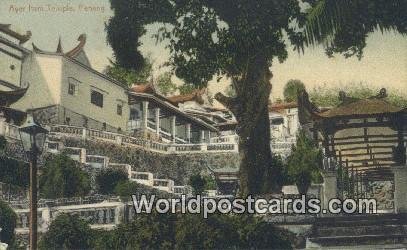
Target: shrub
(62, 177)
(107, 180)
(7, 223)
(67, 232)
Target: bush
(192, 231)
(67, 232)
(125, 189)
(304, 162)
(107, 180)
(7, 223)
(198, 183)
(62, 178)
(147, 231)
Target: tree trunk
(250, 107)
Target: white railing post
(83, 155)
(83, 133)
(204, 147)
(2, 126)
(119, 139)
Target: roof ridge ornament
(59, 47)
(5, 28)
(345, 99)
(36, 49)
(381, 95)
(75, 51)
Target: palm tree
(343, 25)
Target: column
(329, 187)
(173, 128)
(188, 131)
(202, 139)
(400, 188)
(145, 115)
(157, 121)
(2, 125)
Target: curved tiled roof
(362, 107)
(282, 105)
(75, 51)
(9, 97)
(194, 96)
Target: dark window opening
(119, 109)
(72, 89)
(96, 98)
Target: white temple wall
(81, 102)
(42, 73)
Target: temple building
(62, 88)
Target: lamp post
(33, 139)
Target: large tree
(343, 25)
(235, 39)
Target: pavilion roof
(362, 107)
(278, 106)
(349, 107)
(9, 97)
(143, 88)
(196, 95)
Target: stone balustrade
(121, 139)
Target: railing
(134, 124)
(146, 144)
(225, 139)
(9, 130)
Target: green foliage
(291, 90)
(147, 231)
(325, 96)
(125, 189)
(165, 84)
(7, 223)
(215, 232)
(14, 172)
(3, 143)
(130, 76)
(304, 162)
(62, 177)
(344, 25)
(107, 180)
(210, 182)
(67, 232)
(186, 89)
(280, 170)
(192, 231)
(205, 37)
(198, 183)
(255, 233)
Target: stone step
(358, 240)
(360, 230)
(359, 220)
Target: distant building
(284, 125)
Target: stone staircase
(381, 231)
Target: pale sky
(384, 63)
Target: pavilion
(362, 139)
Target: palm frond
(325, 19)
